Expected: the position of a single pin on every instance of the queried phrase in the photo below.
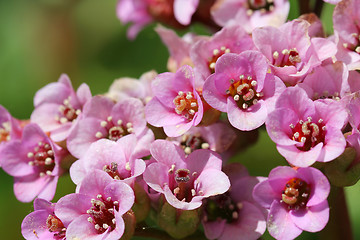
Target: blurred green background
(40, 39)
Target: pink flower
(184, 9)
(34, 163)
(217, 137)
(43, 224)
(177, 105)
(102, 118)
(179, 48)
(332, 1)
(9, 128)
(288, 49)
(57, 107)
(305, 131)
(95, 212)
(123, 88)
(135, 12)
(296, 200)
(185, 181)
(234, 215)
(329, 80)
(206, 52)
(346, 29)
(118, 159)
(251, 14)
(242, 87)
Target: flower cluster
(160, 143)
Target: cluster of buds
(157, 147)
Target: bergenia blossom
(251, 14)
(10, 128)
(230, 39)
(34, 162)
(242, 87)
(176, 105)
(43, 224)
(185, 181)
(96, 211)
(58, 107)
(217, 137)
(123, 88)
(102, 118)
(118, 159)
(305, 131)
(346, 20)
(288, 50)
(296, 199)
(184, 9)
(329, 80)
(234, 215)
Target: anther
(109, 119)
(187, 150)
(205, 146)
(253, 83)
(285, 51)
(115, 202)
(212, 65)
(90, 220)
(42, 174)
(113, 220)
(216, 52)
(103, 123)
(171, 170)
(249, 78)
(193, 104)
(30, 155)
(99, 196)
(235, 215)
(357, 49)
(191, 111)
(48, 173)
(291, 125)
(193, 192)
(303, 139)
(31, 163)
(320, 120)
(245, 106)
(108, 199)
(223, 48)
(105, 226)
(236, 97)
(98, 135)
(242, 77)
(97, 226)
(119, 122)
(227, 50)
(50, 152)
(296, 135)
(232, 81)
(127, 166)
(48, 161)
(129, 125)
(275, 55)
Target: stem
(304, 6)
(318, 7)
(339, 225)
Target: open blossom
(288, 49)
(251, 14)
(177, 105)
(242, 87)
(34, 162)
(9, 128)
(296, 200)
(230, 39)
(234, 215)
(123, 88)
(96, 211)
(118, 159)
(329, 80)
(217, 137)
(347, 31)
(185, 181)
(102, 118)
(43, 224)
(305, 131)
(58, 107)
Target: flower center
(67, 113)
(43, 158)
(5, 132)
(354, 47)
(101, 213)
(296, 194)
(114, 172)
(286, 58)
(326, 94)
(216, 54)
(243, 91)
(186, 105)
(308, 132)
(192, 142)
(181, 183)
(221, 207)
(116, 130)
(56, 226)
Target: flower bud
(178, 223)
(342, 172)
